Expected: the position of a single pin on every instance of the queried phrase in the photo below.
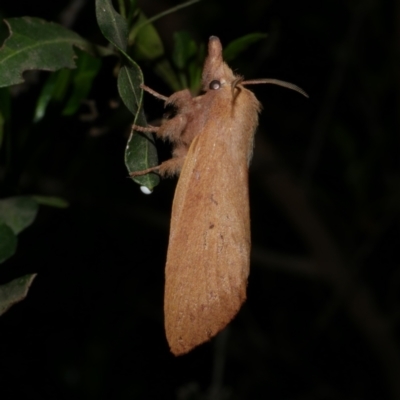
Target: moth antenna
(276, 82)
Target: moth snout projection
(208, 255)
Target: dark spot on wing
(213, 200)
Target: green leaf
(237, 46)
(18, 212)
(147, 42)
(140, 152)
(82, 79)
(188, 58)
(45, 97)
(36, 44)
(54, 89)
(129, 81)
(132, 13)
(58, 85)
(185, 49)
(147, 46)
(196, 70)
(8, 242)
(14, 291)
(51, 201)
(113, 26)
(62, 84)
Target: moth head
(216, 73)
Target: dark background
(322, 316)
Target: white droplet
(146, 190)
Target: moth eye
(215, 85)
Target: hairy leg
(169, 168)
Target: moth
(208, 255)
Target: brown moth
(209, 245)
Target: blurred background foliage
(322, 316)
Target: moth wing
(209, 246)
